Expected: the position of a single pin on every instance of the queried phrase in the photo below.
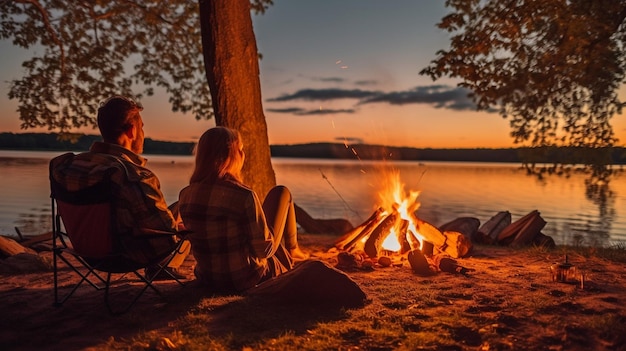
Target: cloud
(324, 95)
(330, 80)
(303, 112)
(440, 96)
(293, 110)
(350, 140)
(365, 82)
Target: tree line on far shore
(52, 142)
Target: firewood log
(488, 232)
(467, 226)
(418, 263)
(375, 241)
(449, 265)
(401, 235)
(10, 247)
(457, 245)
(529, 231)
(366, 231)
(413, 241)
(508, 234)
(348, 239)
(429, 232)
(427, 248)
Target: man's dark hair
(116, 115)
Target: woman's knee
(279, 194)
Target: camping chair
(83, 228)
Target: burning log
(378, 226)
(453, 243)
(428, 248)
(402, 235)
(430, 233)
(375, 240)
(413, 241)
(456, 245)
(348, 240)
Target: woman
(236, 241)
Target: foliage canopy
(552, 67)
(94, 49)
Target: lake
(350, 189)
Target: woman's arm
(261, 236)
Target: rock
(25, 263)
(348, 261)
(384, 261)
(312, 282)
(327, 226)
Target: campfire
(394, 228)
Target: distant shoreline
(50, 142)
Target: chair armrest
(183, 233)
(155, 233)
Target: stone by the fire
(384, 261)
(312, 282)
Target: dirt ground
(507, 301)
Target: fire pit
(395, 229)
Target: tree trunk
(232, 70)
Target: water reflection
(577, 211)
(593, 229)
(598, 191)
(29, 223)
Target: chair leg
(162, 269)
(127, 307)
(56, 279)
(92, 277)
(84, 277)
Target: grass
(508, 304)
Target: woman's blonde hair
(218, 153)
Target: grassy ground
(508, 302)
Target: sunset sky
(338, 71)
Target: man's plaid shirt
(139, 202)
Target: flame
(394, 198)
(391, 242)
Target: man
(138, 200)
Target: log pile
(526, 231)
(454, 239)
(411, 233)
